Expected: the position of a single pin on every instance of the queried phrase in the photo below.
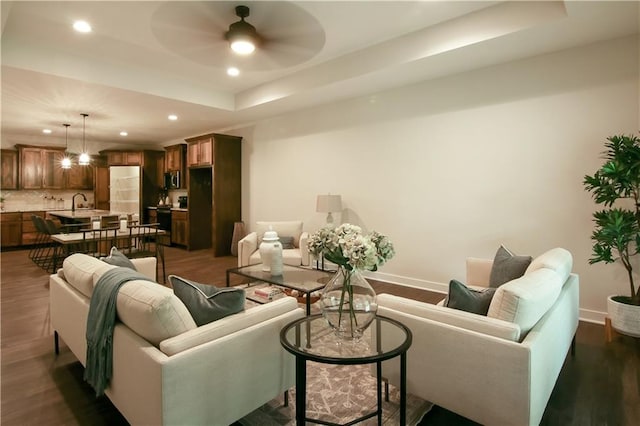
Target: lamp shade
(329, 203)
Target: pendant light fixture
(84, 158)
(66, 160)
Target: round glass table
(311, 339)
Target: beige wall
(454, 167)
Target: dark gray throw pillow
(507, 266)
(465, 299)
(207, 303)
(118, 259)
(287, 243)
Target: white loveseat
(166, 370)
(498, 369)
(248, 253)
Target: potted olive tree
(616, 236)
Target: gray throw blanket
(100, 323)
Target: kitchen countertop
(178, 209)
(83, 213)
(28, 209)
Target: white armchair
(248, 253)
(490, 369)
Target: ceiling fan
(285, 34)
(242, 36)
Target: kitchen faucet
(73, 200)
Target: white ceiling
(147, 59)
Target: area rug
(339, 394)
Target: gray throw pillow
(118, 259)
(507, 266)
(207, 303)
(465, 299)
(287, 243)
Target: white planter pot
(625, 318)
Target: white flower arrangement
(347, 246)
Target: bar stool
(36, 252)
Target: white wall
(454, 167)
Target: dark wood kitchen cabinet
(9, 165)
(179, 227)
(79, 177)
(175, 156)
(101, 188)
(214, 191)
(200, 151)
(10, 229)
(39, 167)
(124, 158)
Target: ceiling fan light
(242, 36)
(243, 47)
(84, 159)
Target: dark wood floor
(599, 386)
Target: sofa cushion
(453, 317)
(467, 299)
(82, 271)
(557, 259)
(526, 299)
(152, 311)
(507, 266)
(117, 258)
(207, 303)
(228, 325)
(287, 243)
(283, 229)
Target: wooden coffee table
(303, 280)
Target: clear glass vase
(348, 303)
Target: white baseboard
(586, 315)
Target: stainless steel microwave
(172, 180)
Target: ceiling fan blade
(196, 31)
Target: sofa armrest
(146, 266)
(305, 259)
(478, 271)
(246, 247)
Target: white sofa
(248, 253)
(499, 369)
(166, 370)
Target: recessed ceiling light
(46, 131)
(233, 71)
(82, 26)
(173, 117)
(123, 133)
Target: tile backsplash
(44, 199)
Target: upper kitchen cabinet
(39, 167)
(200, 151)
(124, 158)
(9, 165)
(175, 158)
(79, 177)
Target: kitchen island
(83, 216)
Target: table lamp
(329, 204)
